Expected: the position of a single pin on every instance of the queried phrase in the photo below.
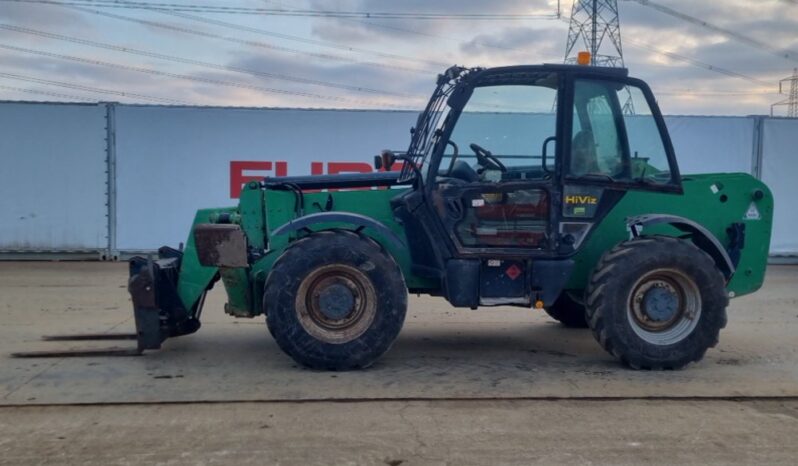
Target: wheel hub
(657, 304)
(336, 301)
(664, 306)
(660, 303)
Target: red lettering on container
(238, 178)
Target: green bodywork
(715, 201)
(713, 208)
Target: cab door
(495, 182)
(617, 142)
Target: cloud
(41, 15)
(342, 74)
(401, 46)
(518, 45)
(418, 30)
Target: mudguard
(702, 237)
(358, 220)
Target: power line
(691, 61)
(678, 92)
(672, 55)
(48, 93)
(422, 34)
(251, 43)
(292, 12)
(637, 44)
(694, 62)
(241, 27)
(189, 61)
(97, 90)
(216, 82)
(786, 54)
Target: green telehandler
(570, 201)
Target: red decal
(238, 179)
(513, 272)
(281, 168)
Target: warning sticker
(513, 272)
(752, 213)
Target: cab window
(649, 159)
(510, 121)
(615, 136)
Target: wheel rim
(664, 306)
(336, 303)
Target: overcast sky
(255, 60)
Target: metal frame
(110, 150)
(758, 145)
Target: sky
(93, 53)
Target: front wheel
(335, 300)
(656, 302)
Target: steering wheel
(486, 159)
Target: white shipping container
(779, 171)
(172, 160)
(54, 181)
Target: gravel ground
(499, 386)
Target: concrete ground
(499, 386)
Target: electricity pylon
(791, 102)
(596, 28)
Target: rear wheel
(568, 311)
(335, 300)
(656, 302)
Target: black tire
(568, 312)
(335, 300)
(641, 297)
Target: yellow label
(592, 200)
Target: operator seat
(583, 154)
(462, 171)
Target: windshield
(426, 132)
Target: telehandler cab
(571, 201)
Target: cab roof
(614, 72)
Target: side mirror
(377, 162)
(387, 159)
